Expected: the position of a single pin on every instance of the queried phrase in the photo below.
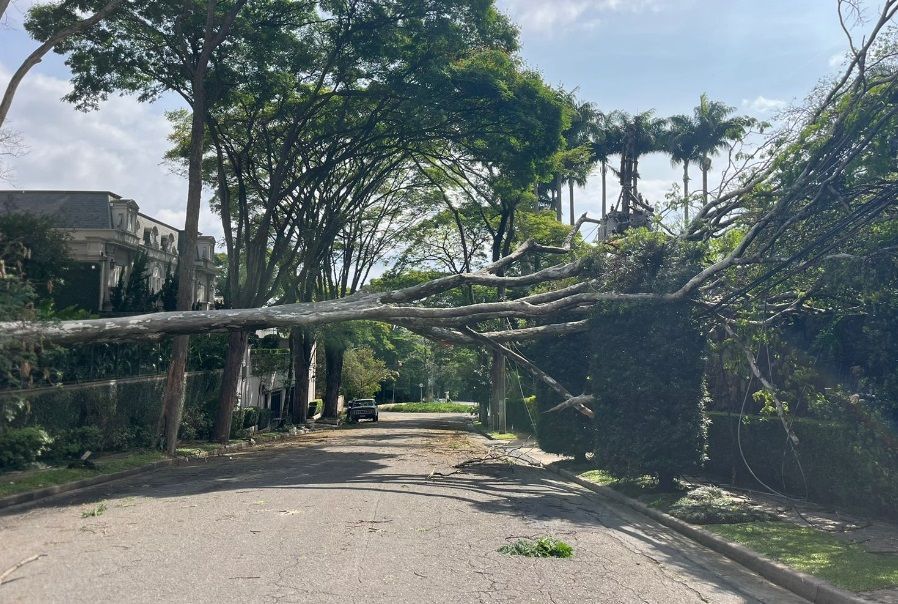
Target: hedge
(843, 464)
(109, 416)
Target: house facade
(106, 233)
(265, 378)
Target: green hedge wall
(844, 464)
(126, 413)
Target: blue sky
(756, 55)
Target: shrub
(250, 417)
(647, 375)
(71, 444)
(264, 418)
(21, 446)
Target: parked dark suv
(362, 408)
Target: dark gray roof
(67, 209)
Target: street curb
(43, 493)
(801, 584)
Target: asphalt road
(355, 515)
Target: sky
(758, 56)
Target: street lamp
(421, 397)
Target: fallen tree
(795, 208)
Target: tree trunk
(558, 197)
(497, 392)
(706, 165)
(303, 347)
(333, 367)
(686, 192)
(227, 398)
(173, 395)
(570, 186)
(604, 189)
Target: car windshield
(364, 403)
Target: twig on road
(19, 565)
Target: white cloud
(762, 104)
(548, 16)
(118, 148)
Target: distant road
(375, 514)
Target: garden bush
(72, 443)
(21, 446)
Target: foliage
(363, 373)
(21, 446)
(820, 554)
(522, 414)
(846, 463)
(649, 411)
(97, 510)
(566, 432)
(111, 416)
(133, 294)
(710, 505)
(428, 408)
(72, 443)
(544, 547)
(31, 247)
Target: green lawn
(29, 480)
(817, 553)
(427, 408)
(197, 449)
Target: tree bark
(570, 186)
(686, 191)
(558, 197)
(303, 347)
(227, 398)
(333, 367)
(173, 395)
(604, 189)
(497, 392)
(706, 165)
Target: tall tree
(682, 142)
(638, 135)
(147, 50)
(579, 159)
(715, 129)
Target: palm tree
(638, 134)
(578, 159)
(683, 147)
(716, 128)
(605, 143)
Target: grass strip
(12, 483)
(427, 408)
(816, 553)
